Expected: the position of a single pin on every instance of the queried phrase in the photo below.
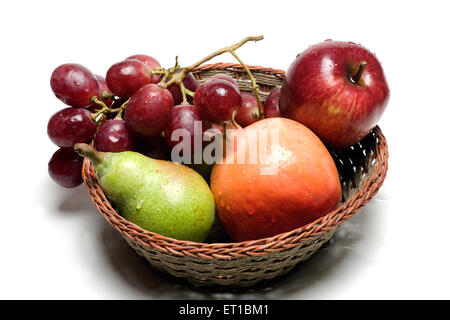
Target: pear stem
(87, 151)
(355, 78)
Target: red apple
(337, 89)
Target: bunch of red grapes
(133, 109)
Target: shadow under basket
(362, 169)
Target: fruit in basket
(189, 83)
(126, 77)
(69, 126)
(160, 196)
(65, 168)
(103, 89)
(248, 112)
(293, 182)
(147, 111)
(337, 89)
(217, 100)
(226, 77)
(114, 136)
(150, 62)
(183, 120)
(271, 106)
(74, 85)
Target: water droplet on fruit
(272, 219)
(250, 211)
(228, 207)
(139, 204)
(222, 203)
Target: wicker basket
(362, 169)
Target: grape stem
(183, 93)
(106, 95)
(106, 109)
(177, 78)
(154, 72)
(189, 92)
(99, 102)
(255, 86)
(169, 72)
(120, 110)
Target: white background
(53, 242)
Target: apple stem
(355, 78)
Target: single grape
(183, 117)
(114, 136)
(147, 112)
(64, 168)
(69, 126)
(74, 85)
(150, 62)
(126, 77)
(225, 77)
(248, 113)
(154, 147)
(217, 100)
(271, 108)
(189, 83)
(102, 87)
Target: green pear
(160, 196)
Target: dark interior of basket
(354, 164)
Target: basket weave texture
(362, 170)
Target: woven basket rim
(261, 246)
